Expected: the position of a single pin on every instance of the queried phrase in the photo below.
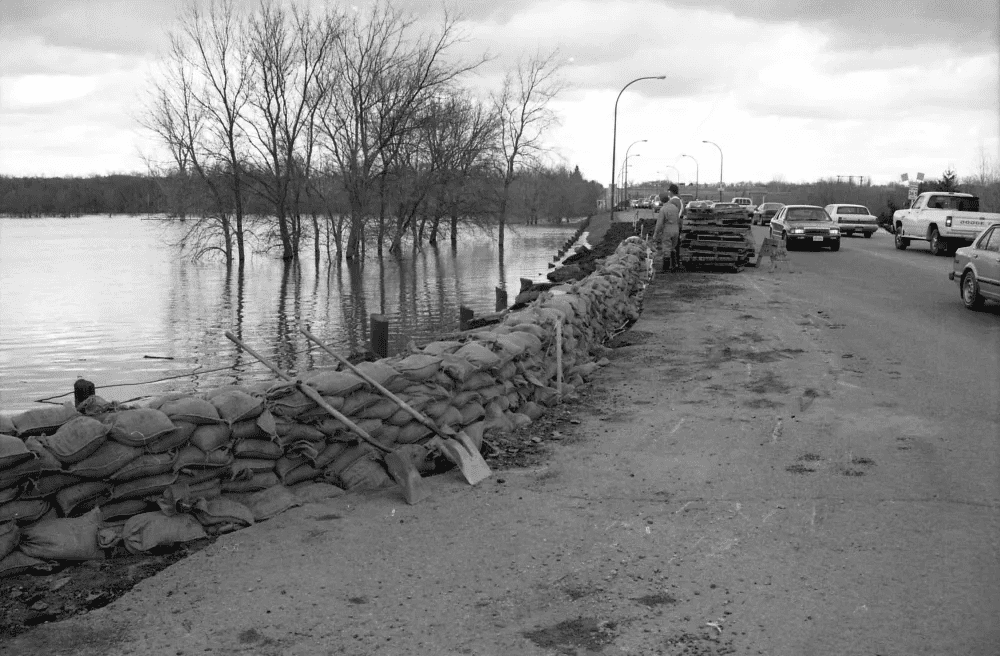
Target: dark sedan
(805, 225)
(765, 212)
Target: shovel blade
(470, 461)
(405, 473)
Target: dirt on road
(730, 484)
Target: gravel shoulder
(727, 485)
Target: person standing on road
(668, 228)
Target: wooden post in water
(380, 335)
(465, 315)
(526, 284)
(501, 299)
(82, 390)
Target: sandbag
(209, 437)
(479, 355)
(531, 410)
(191, 457)
(452, 418)
(329, 454)
(477, 381)
(182, 496)
(457, 367)
(379, 371)
(335, 383)
(13, 451)
(48, 484)
(192, 409)
(412, 432)
(265, 504)
(43, 421)
(289, 432)
(141, 488)
(258, 449)
(154, 529)
(64, 538)
(84, 494)
(16, 475)
(9, 494)
(357, 401)
(76, 439)
(304, 472)
(471, 412)
(236, 405)
(254, 465)
(23, 511)
(418, 366)
(10, 535)
(364, 474)
(170, 441)
(118, 510)
(141, 426)
(104, 462)
(18, 563)
(150, 464)
(261, 428)
(290, 405)
(381, 409)
(7, 426)
(212, 512)
(259, 481)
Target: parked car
(765, 212)
(977, 269)
(656, 204)
(852, 218)
(805, 225)
(945, 220)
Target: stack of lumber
(715, 234)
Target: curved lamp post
(614, 134)
(695, 175)
(625, 186)
(677, 170)
(720, 166)
(625, 174)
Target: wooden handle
(313, 395)
(374, 383)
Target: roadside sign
(914, 185)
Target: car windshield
(771, 206)
(807, 214)
(853, 209)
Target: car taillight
(947, 221)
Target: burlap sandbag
(140, 426)
(480, 356)
(9, 494)
(304, 472)
(209, 437)
(357, 401)
(23, 511)
(418, 366)
(13, 451)
(265, 504)
(381, 409)
(104, 462)
(236, 405)
(289, 432)
(379, 371)
(43, 421)
(150, 464)
(154, 529)
(259, 481)
(64, 538)
(265, 449)
(10, 535)
(18, 474)
(261, 428)
(81, 496)
(334, 383)
(181, 435)
(412, 432)
(47, 484)
(442, 347)
(191, 457)
(120, 510)
(76, 439)
(211, 512)
(7, 426)
(365, 474)
(141, 488)
(192, 409)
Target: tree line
(345, 129)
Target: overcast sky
(796, 90)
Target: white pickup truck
(746, 204)
(946, 220)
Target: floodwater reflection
(106, 299)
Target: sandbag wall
(77, 482)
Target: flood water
(108, 299)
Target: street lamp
(614, 134)
(671, 166)
(695, 175)
(720, 166)
(625, 173)
(626, 159)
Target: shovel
(400, 467)
(457, 447)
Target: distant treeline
(109, 194)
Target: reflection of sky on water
(94, 296)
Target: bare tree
(522, 107)
(385, 80)
(290, 55)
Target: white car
(852, 218)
